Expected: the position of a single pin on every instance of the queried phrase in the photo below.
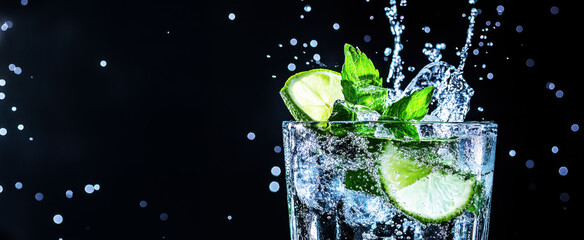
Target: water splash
(469, 33)
(395, 67)
(451, 99)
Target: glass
(355, 180)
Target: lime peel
(425, 193)
(310, 95)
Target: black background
(166, 121)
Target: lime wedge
(310, 95)
(427, 193)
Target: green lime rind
(424, 219)
(428, 193)
(294, 107)
(296, 111)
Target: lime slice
(310, 95)
(429, 194)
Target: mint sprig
(361, 82)
(412, 107)
(362, 86)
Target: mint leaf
(349, 91)
(372, 96)
(401, 129)
(361, 82)
(359, 69)
(414, 106)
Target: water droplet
(574, 127)
(103, 63)
(529, 164)
(17, 70)
(20, 127)
(411, 68)
(69, 194)
(276, 171)
(143, 204)
(519, 28)
(480, 109)
(564, 197)
(251, 136)
(555, 149)
(291, 67)
(559, 94)
(554, 10)
(489, 76)
(163, 217)
(307, 8)
(89, 189)
(293, 41)
(529, 62)
(1, 189)
(563, 171)
(426, 29)
(274, 186)
(268, 56)
(387, 51)
(18, 185)
(512, 153)
(367, 38)
(500, 9)
(550, 85)
(23, 2)
(3, 131)
(13, 108)
(2, 96)
(39, 196)
(58, 219)
(2, 82)
(229, 217)
(316, 57)
(336, 26)
(231, 16)
(313, 43)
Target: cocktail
(362, 166)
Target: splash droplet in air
(58, 219)
(336, 26)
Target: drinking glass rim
(466, 123)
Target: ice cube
(362, 209)
(452, 94)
